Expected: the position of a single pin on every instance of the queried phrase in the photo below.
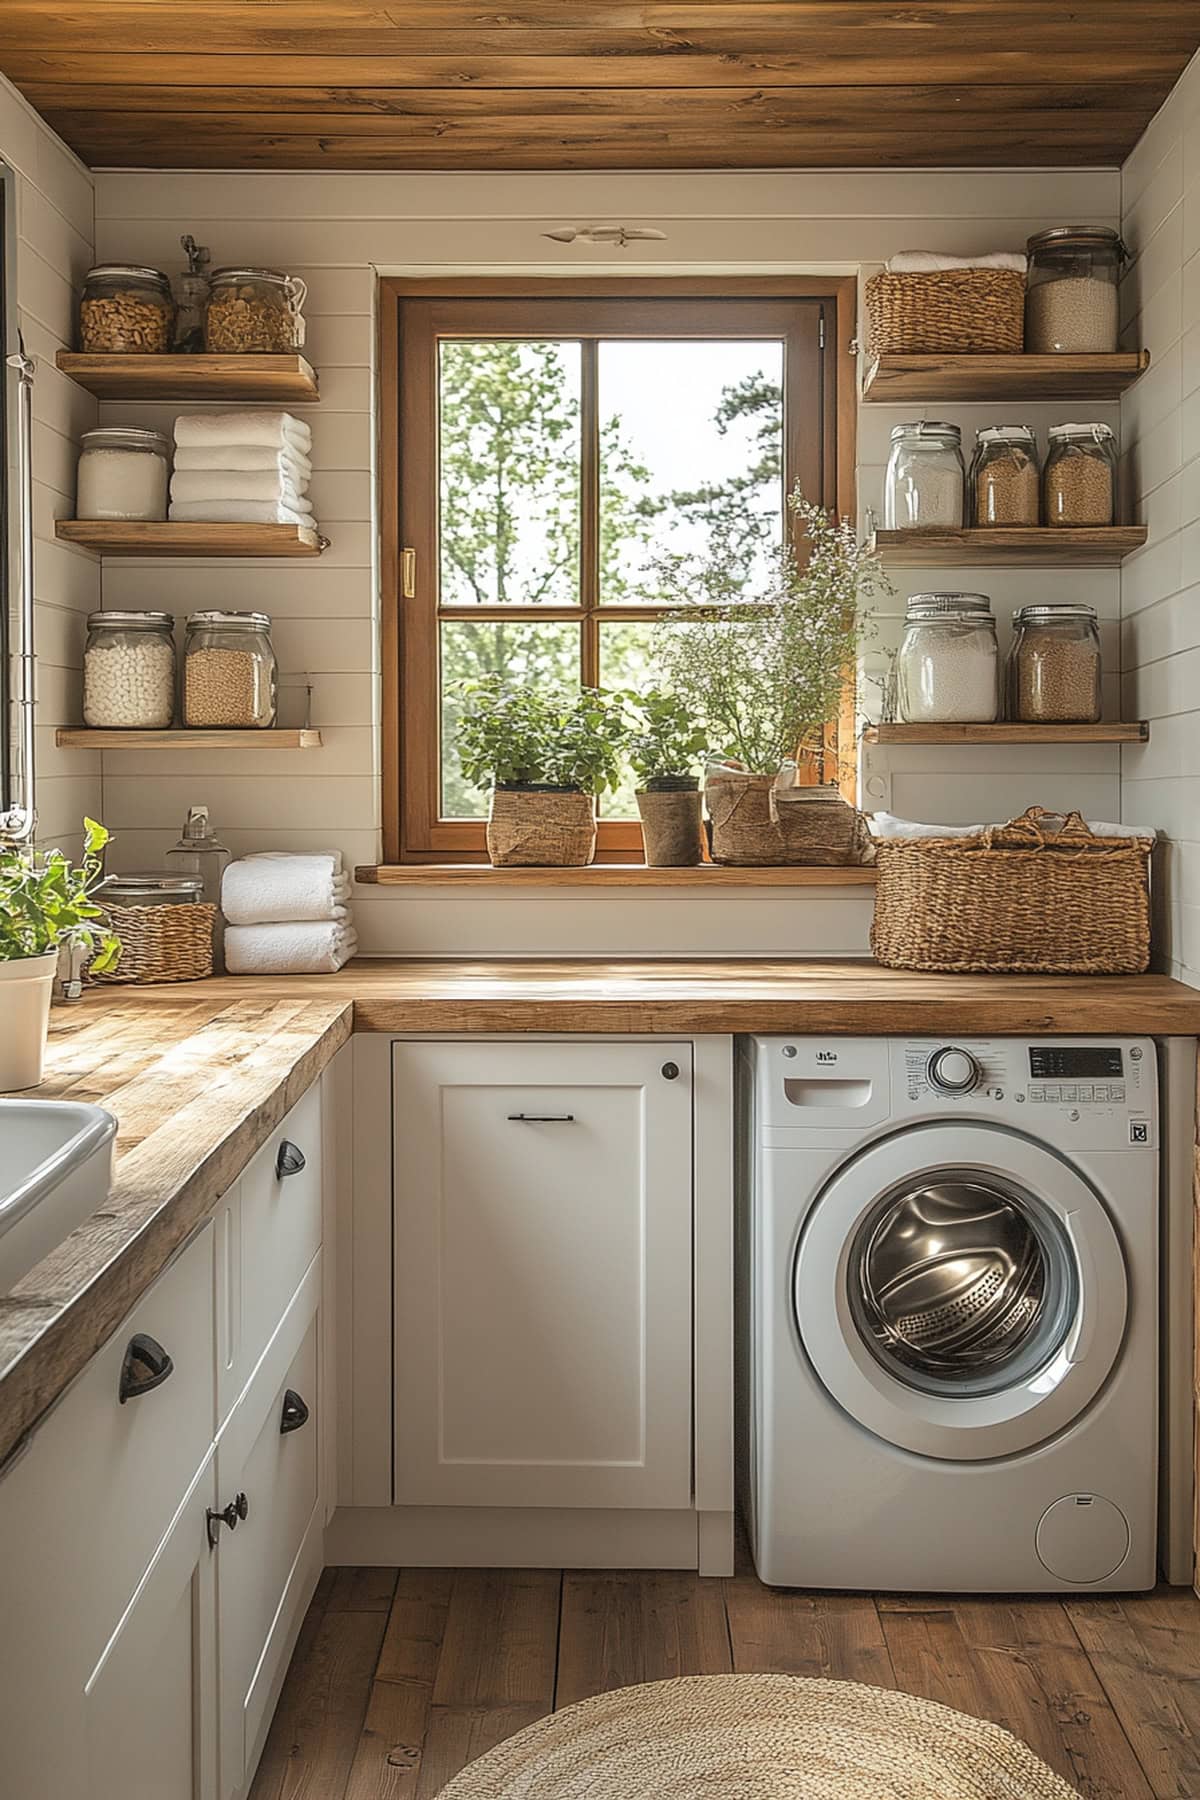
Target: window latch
(408, 574)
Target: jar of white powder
(948, 666)
(123, 474)
(1071, 292)
(925, 481)
(129, 671)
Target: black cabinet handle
(670, 1071)
(229, 1515)
(541, 1118)
(290, 1160)
(146, 1366)
(294, 1414)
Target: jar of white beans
(129, 671)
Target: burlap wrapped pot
(743, 833)
(672, 829)
(537, 827)
(819, 828)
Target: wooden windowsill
(608, 875)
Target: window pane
(545, 652)
(509, 473)
(626, 661)
(691, 443)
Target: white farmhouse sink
(55, 1169)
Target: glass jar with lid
(126, 309)
(129, 671)
(230, 676)
(925, 480)
(1079, 484)
(123, 473)
(192, 292)
(948, 664)
(254, 310)
(1055, 665)
(1071, 290)
(1005, 478)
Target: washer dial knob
(952, 1071)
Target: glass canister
(192, 292)
(230, 676)
(925, 481)
(1005, 478)
(1055, 665)
(123, 473)
(125, 308)
(948, 664)
(1079, 483)
(254, 310)
(1071, 291)
(129, 671)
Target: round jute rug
(759, 1737)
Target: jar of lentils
(254, 310)
(948, 665)
(1071, 290)
(1005, 479)
(126, 309)
(1054, 667)
(230, 676)
(129, 671)
(1079, 485)
(925, 481)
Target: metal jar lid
(941, 615)
(1076, 237)
(125, 437)
(229, 621)
(151, 888)
(1067, 609)
(131, 621)
(1006, 434)
(129, 272)
(930, 428)
(1099, 434)
(949, 601)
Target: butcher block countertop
(199, 1075)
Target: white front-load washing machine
(950, 1296)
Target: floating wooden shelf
(890, 380)
(610, 875)
(1025, 547)
(115, 377)
(1135, 731)
(273, 739)
(115, 537)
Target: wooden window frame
(412, 832)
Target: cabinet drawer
(280, 1228)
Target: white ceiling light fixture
(605, 234)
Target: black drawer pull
(290, 1160)
(228, 1515)
(294, 1414)
(146, 1366)
(541, 1118)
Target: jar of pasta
(255, 311)
(125, 309)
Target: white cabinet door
(150, 1712)
(543, 1234)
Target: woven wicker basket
(1040, 895)
(162, 943)
(960, 311)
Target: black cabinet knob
(670, 1071)
(229, 1515)
(294, 1414)
(146, 1365)
(289, 1161)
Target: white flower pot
(26, 985)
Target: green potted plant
(767, 673)
(45, 902)
(664, 747)
(545, 758)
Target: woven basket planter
(672, 826)
(1019, 898)
(818, 827)
(161, 943)
(960, 311)
(541, 828)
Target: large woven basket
(162, 943)
(962, 311)
(1040, 895)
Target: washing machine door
(961, 1291)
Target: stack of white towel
(287, 914)
(245, 467)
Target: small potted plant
(545, 758)
(664, 747)
(45, 902)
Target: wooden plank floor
(402, 1677)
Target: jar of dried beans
(125, 309)
(256, 311)
(925, 481)
(1071, 292)
(1079, 483)
(1054, 666)
(230, 675)
(1005, 480)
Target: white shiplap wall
(1160, 586)
(339, 231)
(54, 250)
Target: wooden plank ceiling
(596, 84)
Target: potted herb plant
(664, 748)
(545, 758)
(45, 901)
(767, 672)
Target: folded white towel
(927, 262)
(887, 825)
(238, 512)
(275, 429)
(282, 888)
(239, 484)
(309, 948)
(245, 456)
(334, 858)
